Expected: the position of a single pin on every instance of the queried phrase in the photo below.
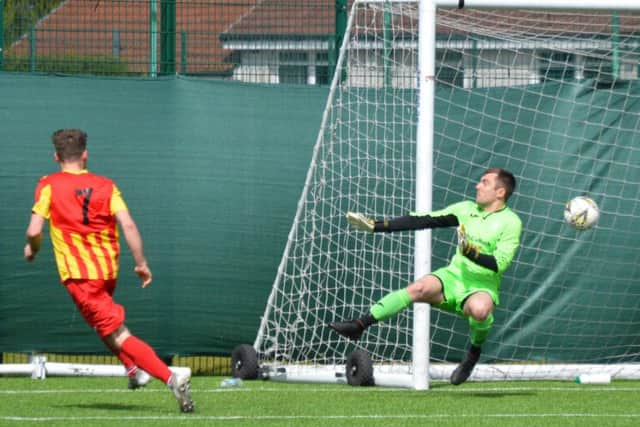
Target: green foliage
(68, 64)
(21, 15)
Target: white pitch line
(580, 389)
(313, 417)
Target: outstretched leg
(388, 306)
(427, 289)
(146, 358)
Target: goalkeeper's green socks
(390, 305)
(479, 330)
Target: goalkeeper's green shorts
(456, 291)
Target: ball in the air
(581, 213)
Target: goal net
(551, 95)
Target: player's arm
(134, 241)
(508, 244)
(402, 223)
(39, 214)
(131, 235)
(473, 252)
(34, 236)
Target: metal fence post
(341, 27)
(1, 35)
(153, 38)
(183, 53)
(32, 50)
(115, 44)
(167, 37)
(615, 43)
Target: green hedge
(67, 64)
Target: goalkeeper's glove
(465, 247)
(360, 221)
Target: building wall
(485, 68)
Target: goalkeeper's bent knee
(479, 330)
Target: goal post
(426, 96)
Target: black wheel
(244, 362)
(360, 369)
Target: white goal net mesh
(552, 96)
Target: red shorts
(94, 299)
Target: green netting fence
(260, 41)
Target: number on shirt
(86, 194)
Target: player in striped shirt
(83, 211)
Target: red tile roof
(287, 17)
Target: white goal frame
(39, 368)
(421, 369)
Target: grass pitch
(107, 402)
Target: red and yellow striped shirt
(81, 207)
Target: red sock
(145, 358)
(129, 366)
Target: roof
(285, 18)
(271, 18)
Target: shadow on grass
(500, 394)
(493, 393)
(107, 406)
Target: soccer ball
(581, 213)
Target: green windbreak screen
(211, 173)
(565, 289)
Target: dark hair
(69, 143)
(505, 180)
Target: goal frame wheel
(360, 369)
(244, 362)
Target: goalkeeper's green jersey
(494, 233)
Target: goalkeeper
(488, 238)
